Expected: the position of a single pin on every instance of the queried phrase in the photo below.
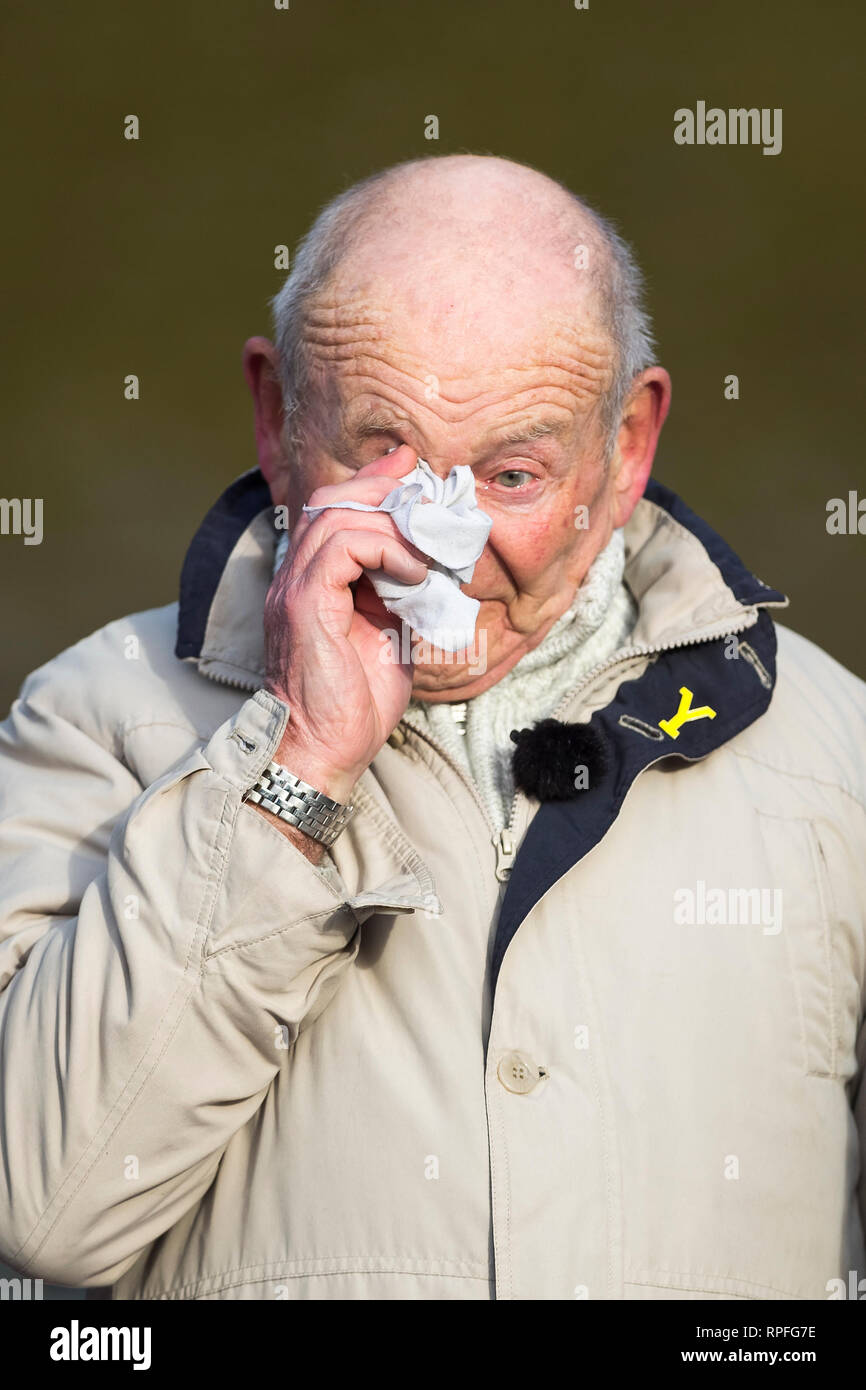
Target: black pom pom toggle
(556, 762)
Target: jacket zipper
(219, 679)
(502, 839)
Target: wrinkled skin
(456, 329)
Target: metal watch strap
(285, 795)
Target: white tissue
(441, 517)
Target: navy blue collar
(740, 580)
(208, 556)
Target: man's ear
(262, 376)
(642, 418)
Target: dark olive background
(156, 256)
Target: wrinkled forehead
(457, 321)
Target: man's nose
(441, 466)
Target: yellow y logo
(685, 713)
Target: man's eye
(513, 477)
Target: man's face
(499, 366)
(510, 388)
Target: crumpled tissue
(441, 518)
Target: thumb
(395, 464)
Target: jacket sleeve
(158, 950)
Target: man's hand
(323, 645)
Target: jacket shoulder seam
(802, 777)
(116, 745)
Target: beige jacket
(629, 1072)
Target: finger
(371, 484)
(372, 491)
(369, 605)
(397, 464)
(370, 488)
(335, 520)
(347, 554)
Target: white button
(518, 1073)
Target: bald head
(475, 207)
(465, 244)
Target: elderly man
(575, 1013)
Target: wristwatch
(285, 795)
